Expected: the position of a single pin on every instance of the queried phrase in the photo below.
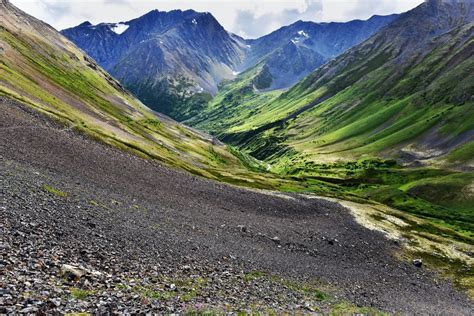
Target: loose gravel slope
(157, 239)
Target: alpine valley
(166, 165)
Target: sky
(247, 18)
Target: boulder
(72, 273)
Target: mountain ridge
(177, 71)
(390, 37)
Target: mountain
(292, 52)
(174, 61)
(42, 69)
(405, 94)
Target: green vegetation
(54, 191)
(185, 289)
(316, 299)
(172, 96)
(350, 309)
(80, 294)
(254, 275)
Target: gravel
(86, 227)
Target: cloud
(344, 10)
(55, 9)
(248, 18)
(249, 23)
(362, 7)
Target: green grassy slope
(404, 95)
(372, 107)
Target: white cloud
(245, 17)
(345, 10)
(249, 23)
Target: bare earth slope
(147, 229)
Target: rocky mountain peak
(86, 23)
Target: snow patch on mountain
(119, 28)
(303, 33)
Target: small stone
(29, 310)
(242, 228)
(54, 302)
(417, 263)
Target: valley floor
(153, 238)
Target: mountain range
(174, 61)
(364, 168)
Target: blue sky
(248, 18)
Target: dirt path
(65, 199)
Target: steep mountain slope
(174, 61)
(404, 94)
(292, 52)
(41, 68)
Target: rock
(29, 310)
(417, 263)
(242, 228)
(71, 272)
(56, 302)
